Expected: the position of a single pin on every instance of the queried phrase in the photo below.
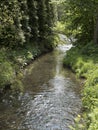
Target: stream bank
(51, 99)
(84, 62)
(13, 62)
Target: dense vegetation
(80, 20)
(25, 33)
(84, 62)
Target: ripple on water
(50, 101)
(53, 109)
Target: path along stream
(51, 99)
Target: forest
(29, 29)
(25, 33)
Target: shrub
(59, 27)
(94, 119)
(83, 60)
(6, 73)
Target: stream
(51, 99)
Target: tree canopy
(81, 19)
(24, 20)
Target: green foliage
(72, 56)
(17, 85)
(94, 119)
(11, 63)
(6, 73)
(24, 21)
(78, 124)
(33, 19)
(80, 19)
(43, 19)
(82, 68)
(6, 70)
(90, 49)
(59, 27)
(81, 59)
(25, 33)
(11, 34)
(56, 39)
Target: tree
(33, 19)
(49, 16)
(80, 17)
(11, 33)
(24, 21)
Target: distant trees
(80, 18)
(23, 21)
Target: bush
(82, 61)
(59, 27)
(94, 119)
(6, 73)
(6, 70)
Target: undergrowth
(12, 62)
(11, 65)
(83, 60)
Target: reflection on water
(51, 99)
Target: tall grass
(83, 60)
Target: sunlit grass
(84, 62)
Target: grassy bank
(11, 66)
(83, 60)
(12, 62)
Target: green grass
(83, 60)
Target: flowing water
(51, 99)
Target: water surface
(51, 99)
